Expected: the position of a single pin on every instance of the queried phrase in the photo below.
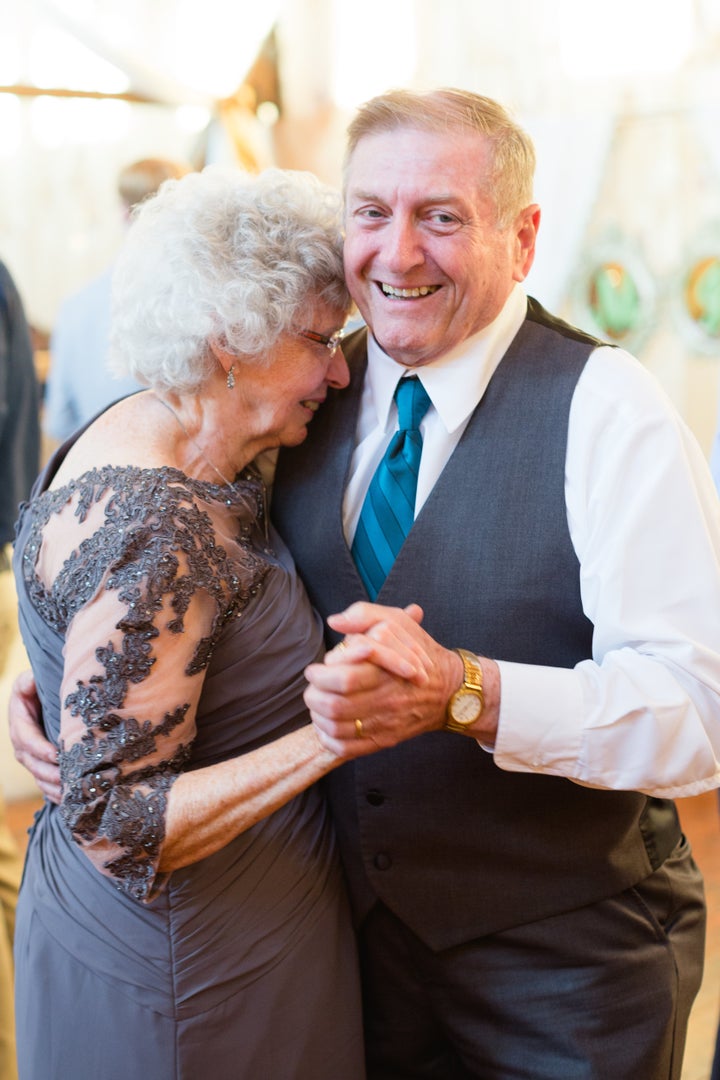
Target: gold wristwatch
(466, 704)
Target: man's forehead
(406, 147)
(452, 134)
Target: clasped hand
(386, 681)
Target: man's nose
(401, 246)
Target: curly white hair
(223, 256)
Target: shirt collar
(455, 382)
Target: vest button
(375, 798)
(382, 861)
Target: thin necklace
(262, 507)
(198, 447)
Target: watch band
(472, 672)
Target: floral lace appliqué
(154, 548)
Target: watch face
(466, 707)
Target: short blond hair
(447, 110)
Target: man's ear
(526, 228)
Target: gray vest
(455, 846)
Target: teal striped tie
(389, 508)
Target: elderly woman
(182, 912)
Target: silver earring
(231, 378)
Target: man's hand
(386, 682)
(31, 747)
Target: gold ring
(341, 645)
(359, 729)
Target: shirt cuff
(540, 727)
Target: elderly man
(527, 904)
(525, 900)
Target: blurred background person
(79, 384)
(19, 463)
(19, 413)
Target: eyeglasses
(332, 343)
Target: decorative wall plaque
(614, 294)
(697, 300)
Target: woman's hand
(382, 641)
(31, 747)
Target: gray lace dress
(167, 630)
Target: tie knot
(412, 402)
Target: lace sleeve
(136, 650)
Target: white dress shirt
(644, 519)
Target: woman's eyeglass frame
(332, 343)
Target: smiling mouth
(313, 406)
(408, 294)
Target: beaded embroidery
(156, 545)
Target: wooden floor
(701, 823)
